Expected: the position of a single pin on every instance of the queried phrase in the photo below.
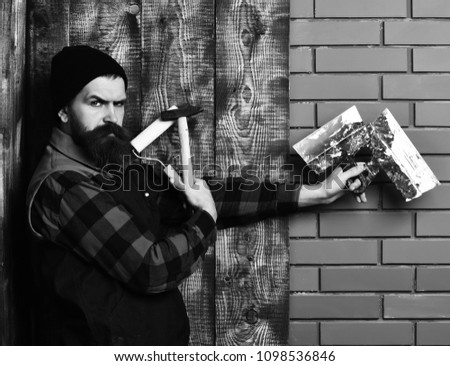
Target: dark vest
(79, 304)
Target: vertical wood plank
(178, 67)
(12, 94)
(252, 124)
(4, 301)
(48, 33)
(113, 27)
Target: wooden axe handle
(172, 173)
(183, 131)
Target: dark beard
(105, 144)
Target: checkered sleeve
(240, 201)
(90, 222)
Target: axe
(163, 123)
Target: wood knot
(163, 21)
(133, 9)
(247, 38)
(41, 21)
(227, 280)
(251, 316)
(259, 28)
(247, 94)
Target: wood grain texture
(48, 33)
(3, 275)
(178, 67)
(12, 95)
(252, 124)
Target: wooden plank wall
(174, 52)
(178, 67)
(251, 121)
(13, 258)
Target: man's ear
(63, 115)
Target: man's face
(94, 119)
(100, 101)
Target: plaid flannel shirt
(70, 208)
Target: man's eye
(96, 103)
(119, 104)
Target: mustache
(105, 130)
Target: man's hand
(199, 195)
(332, 188)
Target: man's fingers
(353, 172)
(198, 182)
(336, 172)
(361, 198)
(355, 185)
(174, 178)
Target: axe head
(162, 124)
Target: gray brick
(367, 279)
(302, 115)
(335, 87)
(304, 279)
(420, 251)
(440, 165)
(416, 86)
(430, 141)
(303, 225)
(438, 198)
(302, 8)
(431, 8)
(417, 306)
(300, 60)
(295, 135)
(369, 111)
(361, 59)
(348, 201)
(433, 278)
(367, 333)
(303, 333)
(360, 8)
(333, 252)
(433, 114)
(365, 224)
(328, 32)
(431, 59)
(433, 224)
(433, 333)
(429, 32)
(334, 306)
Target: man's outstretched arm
(241, 201)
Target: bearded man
(112, 256)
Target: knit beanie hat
(76, 66)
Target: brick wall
(374, 274)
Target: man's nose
(110, 114)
